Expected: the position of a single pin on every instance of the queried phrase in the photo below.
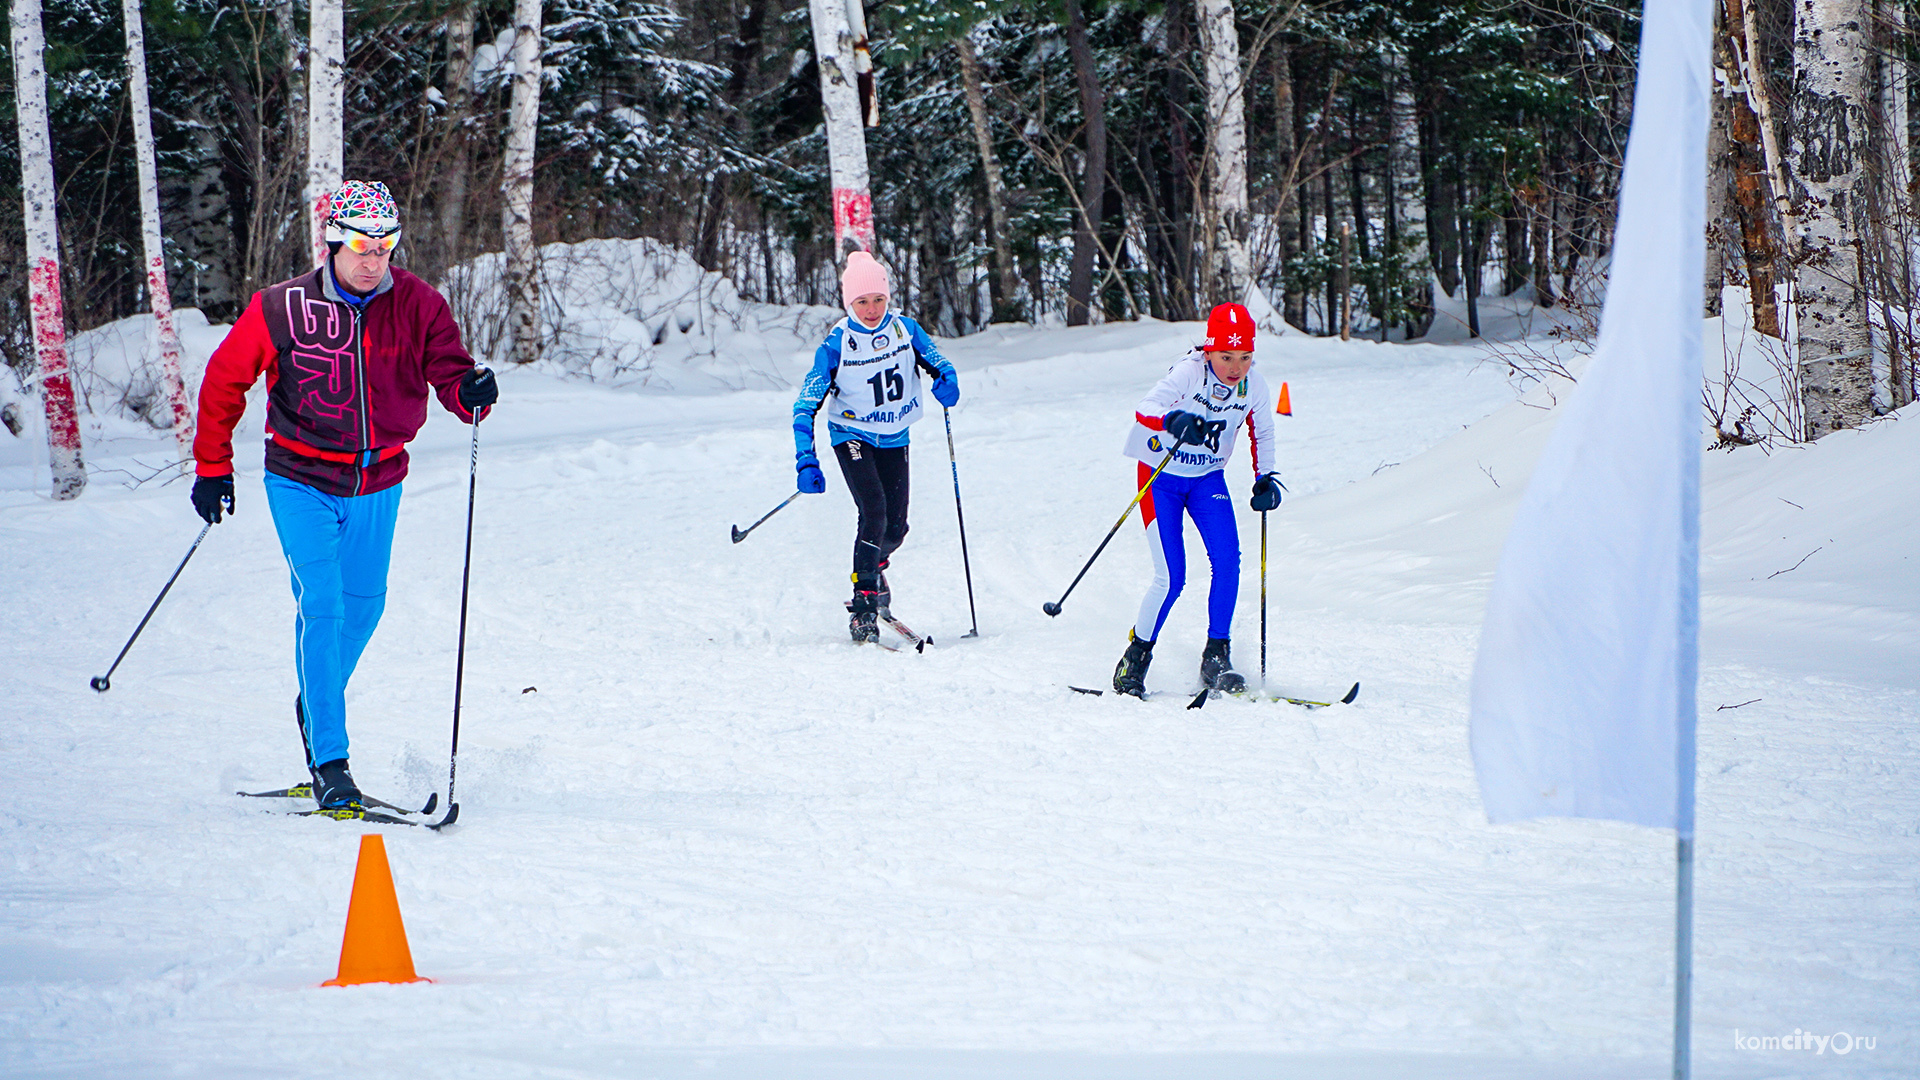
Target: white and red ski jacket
(1190, 386)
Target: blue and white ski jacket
(870, 382)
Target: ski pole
(1053, 607)
(100, 683)
(1263, 598)
(460, 662)
(965, 564)
(740, 534)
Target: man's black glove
(1185, 426)
(1266, 492)
(478, 390)
(209, 492)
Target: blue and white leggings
(338, 548)
(1205, 500)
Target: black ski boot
(1216, 668)
(864, 626)
(1130, 675)
(885, 598)
(333, 786)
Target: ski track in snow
(703, 835)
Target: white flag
(1583, 690)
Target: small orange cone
(1285, 407)
(374, 948)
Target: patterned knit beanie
(365, 207)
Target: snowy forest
(1065, 163)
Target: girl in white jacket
(1197, 412)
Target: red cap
(1229, 328)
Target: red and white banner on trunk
(852, 218)
(56, 382)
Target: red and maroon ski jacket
(346, 386)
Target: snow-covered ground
(704, 836)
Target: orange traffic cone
(1285, 406)
(374, 948)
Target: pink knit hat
(863, 275)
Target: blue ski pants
(338, 548)
(1205, 500)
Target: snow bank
(642, 314)
(703, 836)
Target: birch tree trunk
(1752, 175)
(863, 82)
(43, 252)
(1409, 198)
(1093, 182)
(1719, 190)
(522, 279)
(159, 299)
(459, 95)
(1828, 146)
(326, 149)
(1231, 262)
(846, 141)
(990, 164)
(1891, 232)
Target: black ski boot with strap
(865, 606)
(1216, 668)
(1130, 675)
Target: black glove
(209, 492)
(1266, 492)
(478, 390)
(1185, 426)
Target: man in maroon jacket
(349, 352)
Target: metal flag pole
(1683, 958)
(1683, 889)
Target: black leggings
(877, 476)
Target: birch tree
(1828, 149)
(1230, 267)
(43, 252)
(833, 47)
(1891, 231)
(1230, 264)
(1755, 168)
(158, 297)
(1719, 190)
(521, 279)
(326, 144)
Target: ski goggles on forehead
(361, 244)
